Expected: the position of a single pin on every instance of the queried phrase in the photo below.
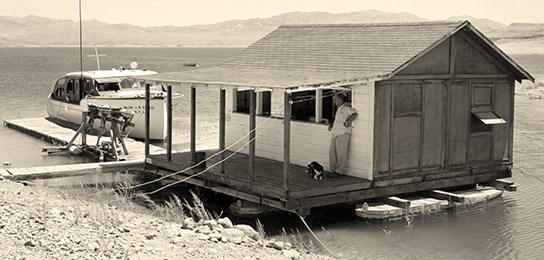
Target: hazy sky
(185, 12)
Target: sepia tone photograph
(239, 129)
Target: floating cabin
(435, 104)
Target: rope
(529, 175)
(316, 238)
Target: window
(58, 94)
(407, 100)
(59, 91)
(482, 110)
(327, 109)
(242, 101)
(70, 87)
(263, 101)
(303, 107)
(477, 126)
(266, 103)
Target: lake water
(506, 228)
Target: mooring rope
(316, 238)
(528, 175)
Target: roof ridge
(459, 22)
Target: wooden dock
(42, 128)
(58, 171)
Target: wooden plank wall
(502, 107)
(309, 141)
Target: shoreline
(41, 222)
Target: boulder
(225, 222)
(210, 223)
(277, 245)
(248, 231)
(234, 235)
(189, 223)
(206, 230)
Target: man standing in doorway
(341, 133)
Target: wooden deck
(267, 185)
(303, 192)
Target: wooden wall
(309, 141)
(441, 137)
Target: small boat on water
(116, 88)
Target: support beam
(147, 120)
(396, 201)
(443, 195)
(84, 133)
(222, 117)
(169, 123)
(193, 125)
(251, 161)
(259, 104)
(286, 142)
(318, 105)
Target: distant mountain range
(40, 31)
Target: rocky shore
(42, 223)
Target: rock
(30, 243)
(206, 230)
(210, 223)
(291, 254)
(150, 236)
(248, 231)
(225, 222)
(277, 245)
(189, 223)
(124, 229)
(216, 235)
(204, 237)
(234, 235)
(287, 245)
(93, 246)
(224, 240)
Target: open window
(303, 107)
(263, 101)
(483, 120)
(108, 84)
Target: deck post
(318, 105)
(286, 141)
(169, 122)
(222, 98)
(147, 99)
(252, 114)
(193, 125)
(84, 133)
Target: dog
(315, 170)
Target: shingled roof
(325, 54)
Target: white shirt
(343, 112)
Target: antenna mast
(80, 43)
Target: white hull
(73, 113)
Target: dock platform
(49, 131)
